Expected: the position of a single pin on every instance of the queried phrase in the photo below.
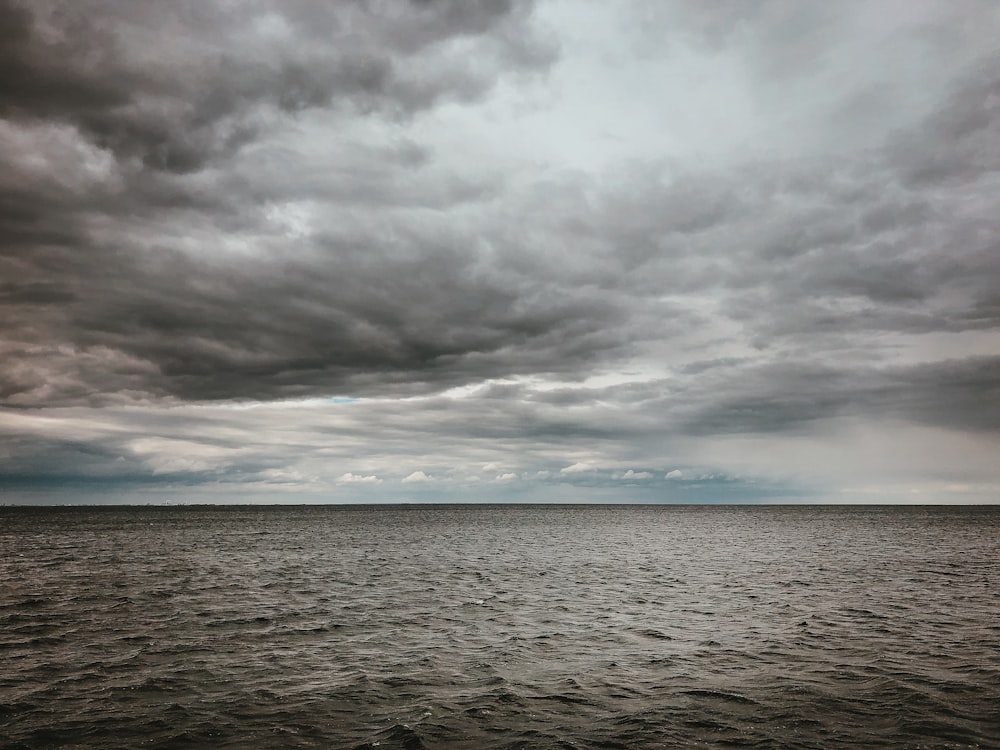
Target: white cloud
(508, 477)
(417, 476)
(350, 478)
(630, 474)
(675, 474)
(576, 468)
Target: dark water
(506, 627)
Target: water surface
(499, 626)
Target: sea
(500, 626)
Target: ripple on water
(510, 626)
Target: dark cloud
(126, 92)
(177, 87)
(175, 327)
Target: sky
(449, 250)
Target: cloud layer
(313, 251)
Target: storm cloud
(418, 250)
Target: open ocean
(500, 627)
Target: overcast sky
(742, 250)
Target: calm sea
(499, 627)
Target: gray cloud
(788, 396)
(214, 206)
(177, 87)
